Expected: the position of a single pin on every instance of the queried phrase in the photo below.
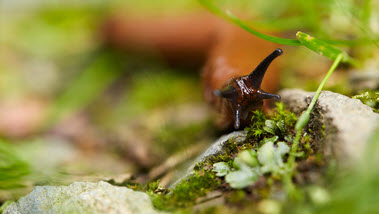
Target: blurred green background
(73, 109)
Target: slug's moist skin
(229, 53)
(244, 94)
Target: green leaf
(240, 164)
(282, 149)
(270, 126)
(281, 125)
(271, 157)
(288, 138)
(249, 157)
(320, 47)
(221, 169)
(241, 178)
(272, 139)
(258, 132)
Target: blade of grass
(269, 38)
(320, 47)
(233, 19)
(283, 24)
(246, 25)
(324, 48)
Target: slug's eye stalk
(245, 94)
(257, 75)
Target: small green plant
(250, 164)
(267, 157)
(318, 46)
(279, 125)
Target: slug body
(229, 53)
(244, 94)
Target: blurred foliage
(93, 80)
(157, 87)
(325, 18)
(353, 191)
(12, 168)
(52, 51)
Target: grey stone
(83, 197)
(343, 125)
(369, 79)
(348, 122)
(215, 149)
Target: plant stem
(302, 122)
(314, 100)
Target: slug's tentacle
(265, 95)
(244, 93)
(257, 75)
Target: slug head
(244, 94)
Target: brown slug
(244, 94)
(228, 51)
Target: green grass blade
(233, 19)
(323, 48)
(269, 38)
(318, 46)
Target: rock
(341, 126)
(348, 122)
(83, 197)
(215, 149)
(368, 79)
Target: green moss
(230, 150)
(370, 98)
(148, 187)
(187, 191)
(280, 123)
(186, 194)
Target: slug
(244, 94)
(228, 52)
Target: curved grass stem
(233, 19)
(302, 122)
